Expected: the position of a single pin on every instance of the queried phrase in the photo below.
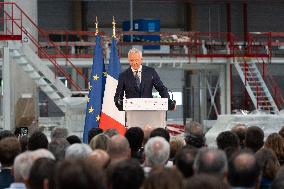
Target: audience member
(135, 136)
(100, 158)
(194, 136)
(79, 173)
(269, 165)
(204, 181)
(100, 141)
(9, 149)
(58, 132)
(157, 152)
(281, 132)
(111, 132)
(37, 140)
(24, 142)
(275, 142)
(125, 174)
(119, 148)
(72, 139)
(93, 132)
(278, 183)
(240, 130)
(147, 131)
(77, 151)
(161, 132)
(211, 161)
(42, 153)
(244, 171)
(184, 161)
(21, 170)
(176, 144)
(227, 139)
(58, 147)
(163, 178)
(254, 138)
(42, 174)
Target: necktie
(137, 79)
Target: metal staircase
(256, 87)
(44, 77)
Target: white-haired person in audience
(77, 151)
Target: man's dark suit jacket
(126, 82)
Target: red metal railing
(19, 23)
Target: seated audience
(184, 161)
(78, 173)
(240, 130)
(254, 138)
(135, 136)
(100, 158)
(58, 132)
(77, 151)
(72, 139)
(211, 161)
(161, 133)
(9, 149)
(269, 165)
(100, 141)
(125, 174)
(5, 134)
(163, 178)
(204, 181)
(244, 171)
(227, 139)
(194, 136)
(24, 142)
(176, 144)
(93, 132)
(119, 148)
(147, 131)
(275, 142)
(58, 147)
(111, 132)
(37, 140)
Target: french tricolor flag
(110, 116)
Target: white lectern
(143, 111)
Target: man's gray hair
(211, 161)
(134, 50)
(193, 128)
(58, 147)
(157, 151)
(22, 166)
(77, 151)
(42, 153)
(58, 132)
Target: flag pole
(96, 24)
(113, 27)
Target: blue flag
(96, 90)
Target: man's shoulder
(147, 68)
(124, 72)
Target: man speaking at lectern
(138, 81)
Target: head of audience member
(240, 130)
(227, 139)
(281, 132)
(42, 153)
(135, 136)
(58, 132)
(211, 161)
(100, 141)
(193, 134)
(254, 138)
(9, 149)
(100, 158)
(119, 148)
(42, 174)
(163, 178)
(244, 170)
(78, 173)
(231, 151)
(125, 174)
(161, 132)
(278, 183)
(37, 140)
(111, 132)
(176, 144)
(157, 152)
(58, 147)
(24, 142)
(275, 142)
(184, 161)
(147, 131)
(5, 134)
(22, 165)
(93, 132)
(72, 139)
(204, 181)
(77, 151)
(268, 162)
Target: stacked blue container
(146, 25)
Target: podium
(145, 111)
